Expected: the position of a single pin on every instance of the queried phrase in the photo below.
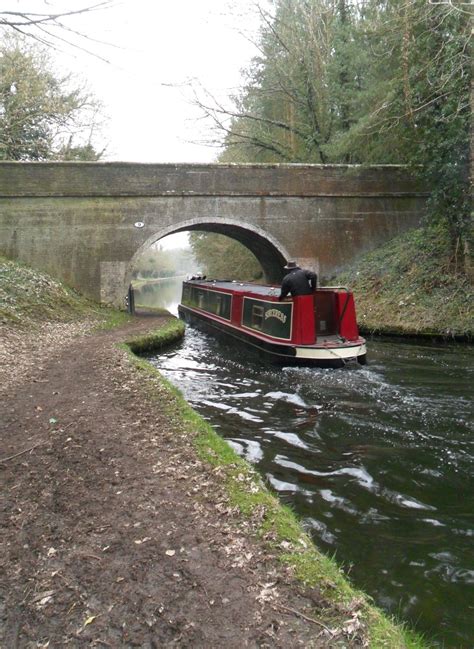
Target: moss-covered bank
(408, 287)
(171, 333)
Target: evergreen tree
(417, 109)
(301, 92)
(221, 257)
(43, 116)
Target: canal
(376, 460)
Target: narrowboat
(315, 330)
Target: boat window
(187, 295)
(257, 316)
(201, 300)
(218, 304)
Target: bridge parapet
(76, 179)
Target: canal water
(376, 460)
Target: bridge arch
(271, 254)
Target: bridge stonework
(78, 221)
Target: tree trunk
(467, 247)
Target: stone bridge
(86, 223)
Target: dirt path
(114, 534)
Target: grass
(156, 340)
(408, 288)
(29, 297)
(110, 318)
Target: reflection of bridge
(86, 223)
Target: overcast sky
(155, 48)
(152, 50)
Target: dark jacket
(298, 282)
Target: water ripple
(377, 460)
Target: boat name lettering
(275, 313)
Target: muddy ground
(113, 533)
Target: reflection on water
(377, 461)
(164, 293)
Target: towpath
(114, 533)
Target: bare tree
(294, 99)
(51, 28)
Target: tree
(50, 29)
(300, 91)
(85, 152)
(366, 81)
(419, 107)
(43, 115)
(221, 257)
(438, 104)
(156, 262)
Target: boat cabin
(291, 328)
(298, 320)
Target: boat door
(325, 313)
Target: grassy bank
(171, 333)
(407, 288)
(29, 297)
